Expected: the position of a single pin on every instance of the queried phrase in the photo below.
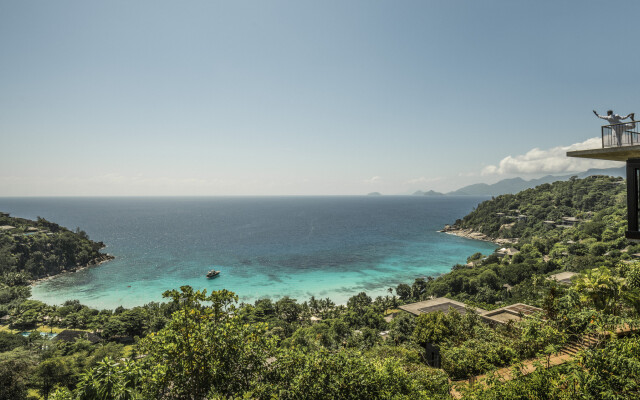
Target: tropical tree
(108, 381)
(51, 372)
(601, 288)
(430, 328)
(204, 349)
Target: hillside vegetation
(579, 198)
(41, 248)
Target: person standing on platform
(616, 121)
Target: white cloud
(374, 179)
(550, 161)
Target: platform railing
(625, 134)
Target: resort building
(571, 221)
(438, 304)
(507, 251)
(563, 277)
(501, 316)
(514, 312)
(70, 335)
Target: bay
(334, 246)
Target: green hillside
(522, 215)
(41, 248)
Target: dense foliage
(522, 215)
(41, 248)
(206, 346)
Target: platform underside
(622, 153)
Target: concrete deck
(621, 153)
(513, 312)
(563, 277)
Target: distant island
(429, 193)
(374, 194)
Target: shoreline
(474, 235)
(104, 257)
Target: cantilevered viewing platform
(621, 142)
(622, 153)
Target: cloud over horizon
(550, 161)
(374, 179)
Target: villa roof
(514, 312)
(439, 304)
(69, 335)
(563, 277)
(508, 251)
(6, 227)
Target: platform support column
(633, 197)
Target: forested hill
(37, 249)
(523, 215)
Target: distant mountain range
(515, 185)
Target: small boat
(213, 273)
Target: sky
(154, 98)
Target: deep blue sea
(271, 247)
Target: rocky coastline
(101, 259)
(471, 234)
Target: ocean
(334, 246)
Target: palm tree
(395, 303)
(602, 288)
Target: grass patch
(5, 328)
(127, 350)
(49, 329)
(43, 328)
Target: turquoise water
(46, 335)
(265, 246)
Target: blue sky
(300, 97)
